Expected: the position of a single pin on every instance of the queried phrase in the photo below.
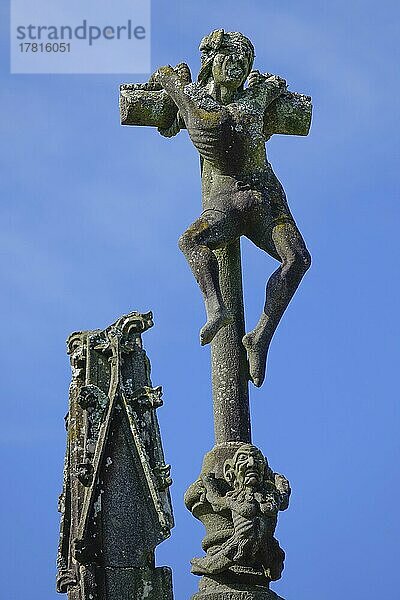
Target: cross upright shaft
(229, 372)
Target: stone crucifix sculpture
(229, 122)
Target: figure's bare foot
(215, 322)
(257, 349)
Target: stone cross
(229, 123)
(161, 103)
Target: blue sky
(90, 217)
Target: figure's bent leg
(211, 564)
(289, 246)
(196, 244)
(217, 560)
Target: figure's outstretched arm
(183, 72)
(170, 81)
(265, 88)
(188, 99)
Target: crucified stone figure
(237, 496)
(243, 196)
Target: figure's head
(246, 469)
(227, 58)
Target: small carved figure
(255, 496)
(241, 194)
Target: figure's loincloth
(248, 208)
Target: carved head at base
(247, 468)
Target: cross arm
(285, 112)
(148, 105)
(155, 103)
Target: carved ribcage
(211, 144)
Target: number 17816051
(45, 47)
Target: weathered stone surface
(210, 589)
(138, 584)
(289, 114)
(237, 497)
(229, 371)
(229, 114)
(115, 505)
